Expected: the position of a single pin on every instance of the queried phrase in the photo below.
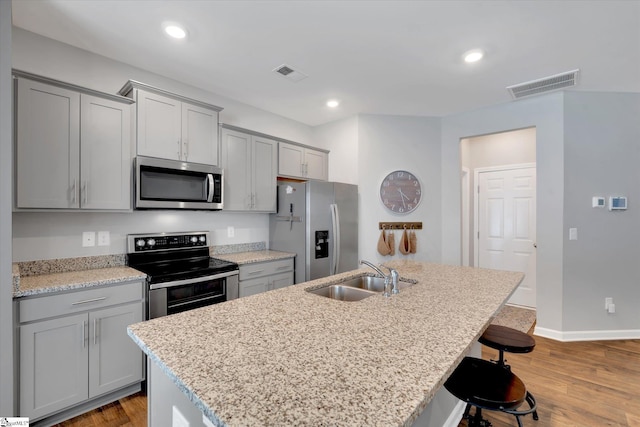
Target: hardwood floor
(575, 384)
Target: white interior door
(506, 225)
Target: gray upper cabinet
(250, 165)
(302, 162)
(173, 127)
(73, 148)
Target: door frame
(466, 195)
(476, 185)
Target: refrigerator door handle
(335, 221)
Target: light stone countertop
(255, 256)
(288, 357)
(57, 282)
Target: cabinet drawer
(259, 269)
(72, 302)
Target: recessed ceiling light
(473, 55)
(333, 103)
(175, 31)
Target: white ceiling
(380, 57)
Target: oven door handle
(191, 281)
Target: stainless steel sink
(342, 293)
(375, 284)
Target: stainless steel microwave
(172, 184)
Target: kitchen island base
(168, 406)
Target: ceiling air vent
(289, 73)
(546, 84)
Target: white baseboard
(456, 415)
(566, 336)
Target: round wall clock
(400, 192)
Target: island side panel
(167, 405)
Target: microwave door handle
(210, 182)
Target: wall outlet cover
(88, 238)
(104, 239)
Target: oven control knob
(203, 239)
(140, 243)
(194, 239)
(151, 242)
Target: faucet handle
(387, 285)
(394, 279)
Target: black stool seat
(507, 339)
(487, 385)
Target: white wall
(545, 113)
(6, 285)
(58, 235)
(388, 143)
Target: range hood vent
(546, 84)
(289, 73)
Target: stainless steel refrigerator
(318, 221)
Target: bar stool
(510, 340)
(486, 385)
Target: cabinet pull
(283, 267)
(186, 149)
(84, 341)
(179, 152)
(302, 169)
(88, 301)
(256, 272)
(95, 331)
(73, 192)
(83, 193)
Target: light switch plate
(573, 234)
(88, 238)
(231, 231)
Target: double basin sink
(355, 289)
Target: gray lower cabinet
(260, 277)
(74, 347)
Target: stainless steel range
(180, 273)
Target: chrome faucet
(390, 279)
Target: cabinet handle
(95, 331)
(88, 301)
(179, 152)
(283, 267)
(84, 341)
(83, 192)
(306, 169)
(73, 192)
(302, 169)
(186, 149)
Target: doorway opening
(499, 205)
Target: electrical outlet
(104, 239)
(231, 231)
(88, 238)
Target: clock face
(400, 192)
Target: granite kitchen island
(289, 357)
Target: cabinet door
(264, 174)
(315, 164)
(236, 161)
(48, 143)
(114, 359)
(290, 160)
(159, 126)
(53, 365)
(281, 280)
(199, 134)
(254, 286)
(105, 154)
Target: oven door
(175, 297)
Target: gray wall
(6, 286)
(545, 113)
(388, 143)
(602, 154)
